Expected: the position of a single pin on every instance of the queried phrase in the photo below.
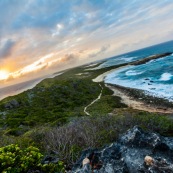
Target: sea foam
(150, 87)
(132, 73)
(165, 77)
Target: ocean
(154, 77)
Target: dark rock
(12, 104)
(153, 57)
(128, 153)
(50, 159)
(152, 88)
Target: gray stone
(12, 104)
(128, 153)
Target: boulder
(135, 152)
(12, 104)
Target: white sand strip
(101, 77)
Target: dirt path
(98, 98)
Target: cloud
(102, 50)
(6, 48)
(69, 57)
(77, 31)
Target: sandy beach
(131, 102)
(135, 104)
(101, 77)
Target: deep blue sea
(154, 77)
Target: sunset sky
(38, 37)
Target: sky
(39, 37)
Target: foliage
(49, 103)
(105, 105)
(15, 160)
(69, 140)
(50, 116)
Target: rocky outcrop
(12, 104)
(153, 57)
(135, 152)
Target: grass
(50, 116)
(47, 104)
(93, 132)
(105, 105)
(54, 101)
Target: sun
(3, 74)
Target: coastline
(101, 77)
(24, 86)
(135, 98)
(131, 102)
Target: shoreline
(131, 102)
(101, 77)
(135, 98)
(22, 87)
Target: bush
(69, 140)
(15, 160)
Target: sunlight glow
(3, 74)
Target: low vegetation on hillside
(51, 117)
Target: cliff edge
(135, 152)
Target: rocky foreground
(135, 152)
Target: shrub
(69, 140)
(15, 160)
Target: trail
(98, 98)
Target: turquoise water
(138, 54)
(154, 77)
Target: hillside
(52, 116)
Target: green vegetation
(105, 105)
(69, 140)
(15, 160)
(53, 102)
(51, 117)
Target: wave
(116, 61)
(165, 77)
(150, 87)
(133, 73)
